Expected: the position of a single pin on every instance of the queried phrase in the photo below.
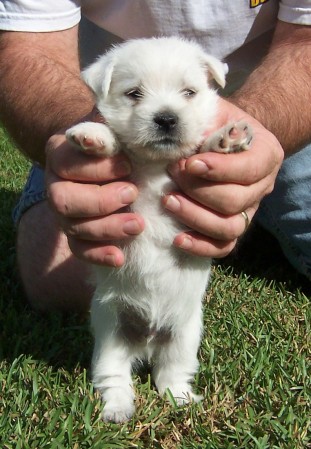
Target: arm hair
(40, 87)
(278, 92)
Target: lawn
(254, 372)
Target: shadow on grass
(61, 341)
(259, 255)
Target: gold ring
(246, 219)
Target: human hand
(87, 192)
(216, 188)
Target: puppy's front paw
(93, 138)
(183, 394)
(117, 413)
(232, 138)
(119, 402)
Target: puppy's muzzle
(166, 122)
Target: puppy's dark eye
(134, 94)
(189, 93)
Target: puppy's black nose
(166, 121)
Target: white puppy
(156, 98)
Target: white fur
(159, 285)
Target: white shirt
(132, 18)
(221, 26)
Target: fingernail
(110, 260)
(132, 227)
(171, 203)
(186, 243)
(123, 168)
(127, 195)
(197, 167)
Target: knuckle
(280, 156)
(104, 230)
(194, 221)
(71, 230)
(75, 246)
(252, 174)
(58, 200)
(278, 152)
(103, 210)
(269, 184)
(105, 204)
(231, 204)
(269, 189)
(50, 144)
(232, 228)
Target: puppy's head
(156, 95)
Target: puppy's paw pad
(92, 138)
(232, 138)
(86, 143)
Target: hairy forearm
(277, 93)
(40, 87)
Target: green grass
(254, 372)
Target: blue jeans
(33, 193)
(286, 212)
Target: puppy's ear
(217, 69)
(98, 75)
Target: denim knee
(33, 192)
(286, 212)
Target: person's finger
(227, 199)
(204, 220)
(263, 159)
(88, 200)
(202, 246)
(71, 164)
(98, 254)
(112, 227)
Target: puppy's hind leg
(112, 363)
(176, 362)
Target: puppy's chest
(156, 241)
(153, 183)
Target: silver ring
(246, 219)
